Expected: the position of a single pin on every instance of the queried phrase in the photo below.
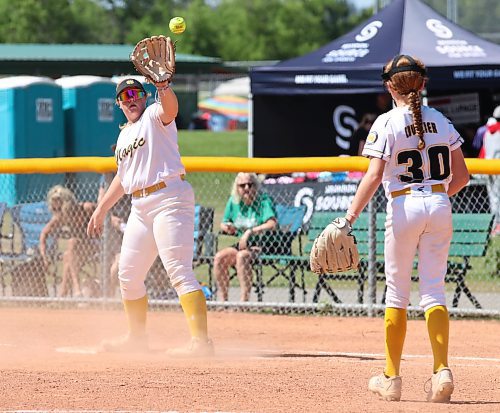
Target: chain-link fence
(46, 255)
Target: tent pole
(452, 10)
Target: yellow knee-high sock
(395, 332)
(136, 311)
(194, 306)
(438, 326)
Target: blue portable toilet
(91, 125)
(31, 126)
(90, 114)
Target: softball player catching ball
(162, 216)
(415, 152)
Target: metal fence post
(105, 250)
(372, 256)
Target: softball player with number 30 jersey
(415, 152)
(162, 216)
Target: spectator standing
(491, 150)
(477, 141)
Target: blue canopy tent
(322, 90)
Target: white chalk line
(275, 353)
(108, 411)
(77, 350)
(266, 353)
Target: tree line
(244, 30)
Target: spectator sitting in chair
(248, 214)
(69, 216)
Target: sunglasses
(249, 184)
(131, 94)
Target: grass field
(204, 143)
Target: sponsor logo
(369, 31)
(452, 48)
(439, 29)
(350, 52)
(345, 123)
(334, 197)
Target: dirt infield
(264, 363)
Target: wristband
(161, 89)
(352, 214)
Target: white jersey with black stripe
(393, 139)
(147, 151)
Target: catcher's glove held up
(334, 250)
(154, 58)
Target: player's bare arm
(53, 223)
(460, 174)
(269, 225)
(169, 105)
(110, 198)
(367, 188)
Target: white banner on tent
(460, 109)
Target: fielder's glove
(154, 58)
(334, 250)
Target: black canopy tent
(310, 105)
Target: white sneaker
(441, 386)
(196, 348)
(388, 388)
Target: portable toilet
(31, 126)
(90, 114)
(91, 124)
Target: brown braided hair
(407, 76)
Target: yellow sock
(438, 326)
(194, 306)
(395, 332)
(136, 311)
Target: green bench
(471, 236)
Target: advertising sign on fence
(316, 196)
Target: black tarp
(308, 89)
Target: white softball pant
(160, 223)
(423, 224)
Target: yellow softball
(177, 25)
